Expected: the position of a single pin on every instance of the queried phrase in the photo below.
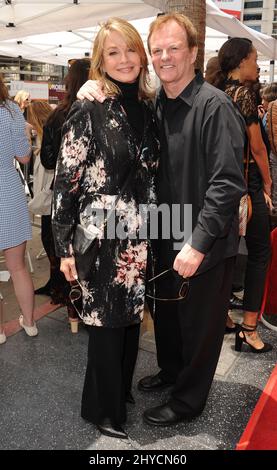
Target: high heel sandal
(243, 339)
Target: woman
(101, 144)
(211, 72)
(13, 206)
(22, 98)
(57, 286)
(238, 63)
(269, 94)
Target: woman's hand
(268, 201)
(68, 267)
(92, 90)
(267, 187)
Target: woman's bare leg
(22, 281)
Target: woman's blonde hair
(37, 114)
(133, 40)
(20, 97)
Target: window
(253, 5)
(254, 17)
(256, 27)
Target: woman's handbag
(245, 206)
(40, 204)
(85, 247)
(245, 213)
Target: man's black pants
(189, 335)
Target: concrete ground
(41, 382)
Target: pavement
(41, 381)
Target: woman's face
(120, 62)
(249, 68)
(25, 102)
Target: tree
(195, 10)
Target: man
(202, 142)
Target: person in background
(14, 144)
(22, 98)
(268, 94)
(211, 72)
(238, 67)
(102, 146)
(57, 286)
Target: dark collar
(189, 93)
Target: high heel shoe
(29, 330)
(3, 338)
(243, 339)
(74, 324)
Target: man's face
(172, 59)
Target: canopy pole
(271, 71)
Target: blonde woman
(22, 98)
(101, 144)
(37, 115)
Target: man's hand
(188, 261)
(92, 90)
(68, 267)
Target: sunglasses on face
(182, 292)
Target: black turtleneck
(132, 105)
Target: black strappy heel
(243, 339)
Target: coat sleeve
(222, 138)
(50, 146)
(71, 163)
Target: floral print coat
(97, 152)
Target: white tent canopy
(57, 30)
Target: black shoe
(242, 338)
(235, 303)
(152, 383)
(164, 415)
(44, 290)
(231, 329)
(129, 398)
(112, 430)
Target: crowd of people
(195, 143)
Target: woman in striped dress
(15, 227)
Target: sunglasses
(76, 292)
(182, 292)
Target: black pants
(258, 245)
(189, 335)
(112, 355)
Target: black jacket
(51, 140)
